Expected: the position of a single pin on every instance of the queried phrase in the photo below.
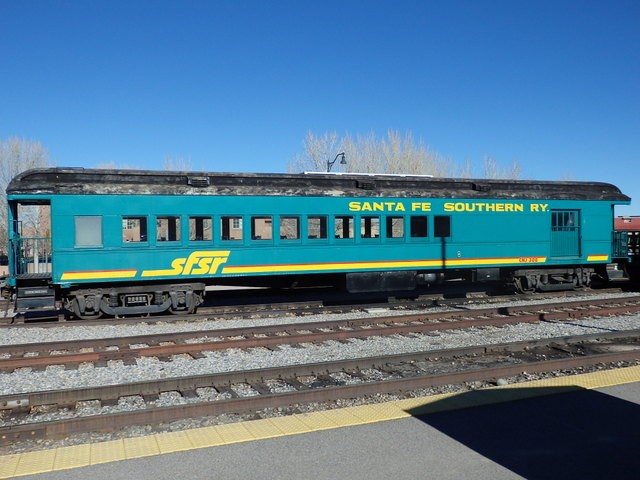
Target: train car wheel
(184, 302)
(190, 307)
(84, 314)
(519, 283)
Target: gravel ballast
(145, 369)
(149, 368)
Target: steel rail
(251, 337)
(68, 397)
(347, 323)
(157, 415)
(332, 304)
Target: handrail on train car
(31, 255)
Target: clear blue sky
(236, 85)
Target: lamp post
(330, 163)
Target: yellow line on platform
(63, 458)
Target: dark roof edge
(87, 181)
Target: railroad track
(164, 346)
(325, 304)
(318, 382)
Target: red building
(627, 223)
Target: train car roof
(80, 181)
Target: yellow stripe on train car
(98, 274)
(306, 267)
(598, 258)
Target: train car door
(565, 233)
(30, 254)
(29, 239)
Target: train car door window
(344, 227)
(565, 233)
(442, 226)
(261, 228)
(395, 227)
(370, 227)
(200, 229)
(317, 227)
(168, 229)
(231, 228)
(419, 226)
(88, 231)
(134, 229)
(289, 228)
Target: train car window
(261, 228)
(168, 229)
(442, 226)
(88, 231)
(289, 228)
(562, 220)
(134, 229)
(419, 226)
(370, 227)
(200, 229)
(231, 228)
(344, 227)
(395, 227)
(317, 227)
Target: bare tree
(396, 153)
(368, 154)
(177, 164)
(492, 169)
(466, 170)
(16, 156)
(317, 151)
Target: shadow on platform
(561, 433)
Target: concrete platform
(583, 426)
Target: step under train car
(122, 242)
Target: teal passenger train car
(131, 242)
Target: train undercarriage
(87, 303)
(184, 298)
(533, 280)
(119, 300)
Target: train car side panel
(522, 232)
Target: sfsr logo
(197, 263)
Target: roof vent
(365, 185)
(198, 181)
(481, 187)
